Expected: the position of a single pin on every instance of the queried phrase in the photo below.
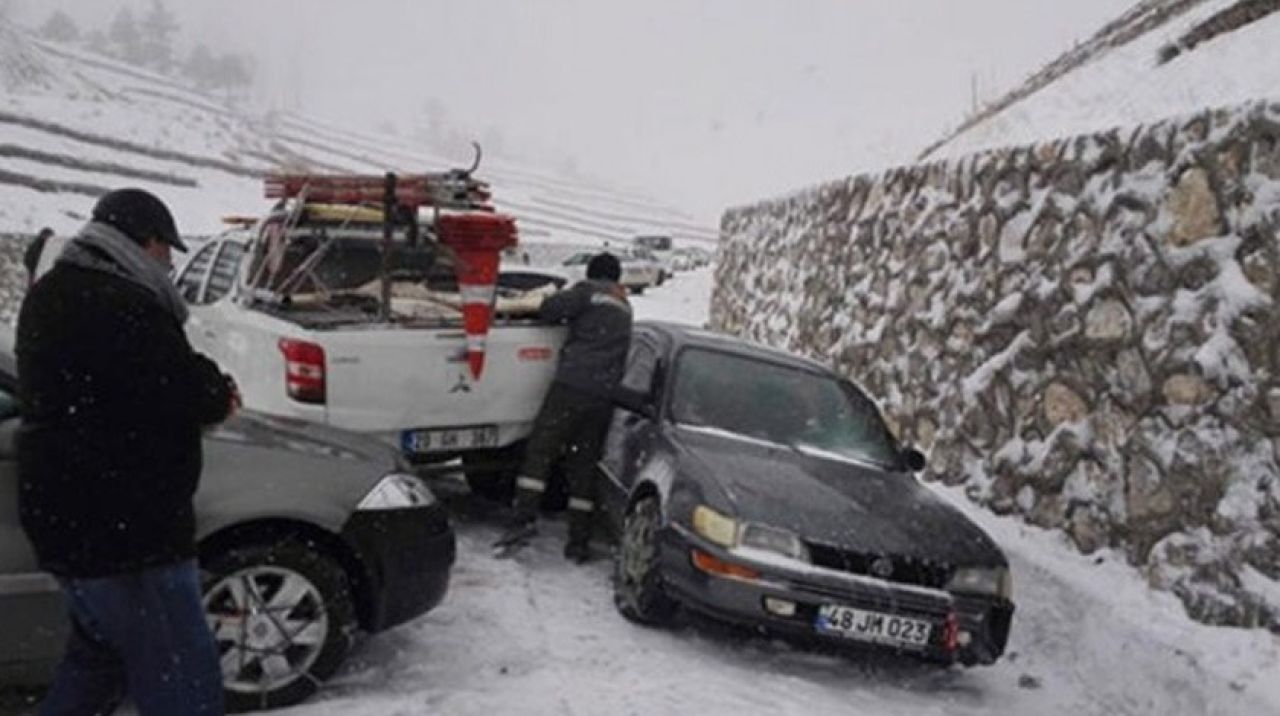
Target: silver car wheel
(270, 625)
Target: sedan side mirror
(633, 401)
(913, 460)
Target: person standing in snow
(575, 414)
(31, 257)
(113, 402)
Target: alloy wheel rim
(270, 625)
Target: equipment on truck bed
(330, 206)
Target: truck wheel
(638, 290)
(283, 619)
(637, 578)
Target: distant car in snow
(689, 258)
(638, 272)
(762, 488)
(515, 279)
(322, 531)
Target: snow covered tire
(637, 581)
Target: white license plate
(872, 626)
(422, 441)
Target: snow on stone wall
(1083, 332)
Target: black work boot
(578, 551)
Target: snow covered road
(536, 635)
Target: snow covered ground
(536, 635)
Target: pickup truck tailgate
(387, 381)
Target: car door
(33, 624)
(218, 339)
(629, 439)
(191, 283)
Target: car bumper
(981, 625)
(407, 555)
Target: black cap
(604, 267)
(139, 215)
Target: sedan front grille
(891, 568)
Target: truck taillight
(303, 371)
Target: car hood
(835, 501)
(302, 438)
(260, 467)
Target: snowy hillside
(1165, 58)
(74, 124)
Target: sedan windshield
(779, 404)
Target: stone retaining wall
(1082, 332)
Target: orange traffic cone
(477, 240)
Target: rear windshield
(780, 404)
(347, 264)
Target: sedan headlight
(397, 491)
(730, 533)
(996, 582)
(772, 539)
(715, 526)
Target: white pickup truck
(318, 349)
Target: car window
(194, 274)
(223, 275)
(641, 363)
(780, 404)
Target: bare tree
(158, 30)
(126, 41)
(60, 28)
(199, 67)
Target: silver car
(306, 534)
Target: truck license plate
(449, 440)
(872, 626)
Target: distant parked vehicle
(305, 533)
(660, 249)
(762, 488)
(689, 258)
(638, 272)
(654, 243)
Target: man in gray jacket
(575, 414)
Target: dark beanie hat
(139, 215)
(604, 267)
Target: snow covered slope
(1118, 78)
(73, 124)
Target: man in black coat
(109, 456)
(574, 418)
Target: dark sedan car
(305, 533)
(761, 488)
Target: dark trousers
(143, 635)
(572, 423)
